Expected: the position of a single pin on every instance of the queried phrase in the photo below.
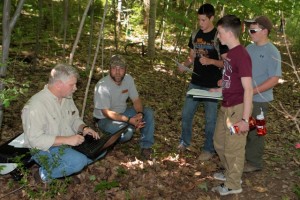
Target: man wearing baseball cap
(111, 111)
(266, 71)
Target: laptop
(93, 148)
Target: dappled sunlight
(136, 164)
(162, 68)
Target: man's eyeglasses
(255, 30)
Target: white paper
(18, 142)
(184, 67)
(8, 167)
(197, 93)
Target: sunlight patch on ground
(161, 68)
(136, 164)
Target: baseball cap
(117, 60)
(263, 21)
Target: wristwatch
(245, 120)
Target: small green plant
(121, 171)
(2, 167)
(203, 186)
(11, 91)
(104, 185)
(296, 190)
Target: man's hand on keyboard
(89, 131)
(74, 140)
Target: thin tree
(95, 58)
(66, 13)
(7, 27)
(151, 29)
(79, 32)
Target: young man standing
(236, 107)
(207, 71)
(111, 111)
(266, 71)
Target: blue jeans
(147, 132)
(60, 161)
(188, 112)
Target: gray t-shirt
(109, 95)
(266, 63)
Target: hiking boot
(223, 190)
(221, 177)
(146, 153)
(250, 168)
(181, 148)
(205, 155)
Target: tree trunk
(65, 23)
(146, 13)
(151, 30)
(95, 58)
(182, 31)
(91, 37)
(7, 26)
(79, 32)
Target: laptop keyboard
(92, 145)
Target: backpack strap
(216, 44)
(194, 36)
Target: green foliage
(121, 171)
(296, 190)
(2, 167)
(92, 178)
(105, 185)
(203, 186)
(12, 90)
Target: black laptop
(93, 148)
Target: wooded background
(37, 34)
(67, 28)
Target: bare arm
(187, 62)
(208, 61)
(73, 140)
(135, 120)
(248, 95)
(137, 104)
(114, 115)
(268, 84)
(190, 58)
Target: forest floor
(123, 175)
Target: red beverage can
(233, 130)
(252, 123)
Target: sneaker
(205, 155)
(146, 153)
(36, 176)
(223, 190)
(221, 177)
(181, 148)
(250, 168)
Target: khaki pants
(230, 148)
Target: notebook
(10, 155)
(93, 148)
(198, 93)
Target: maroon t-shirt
(236, 65)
